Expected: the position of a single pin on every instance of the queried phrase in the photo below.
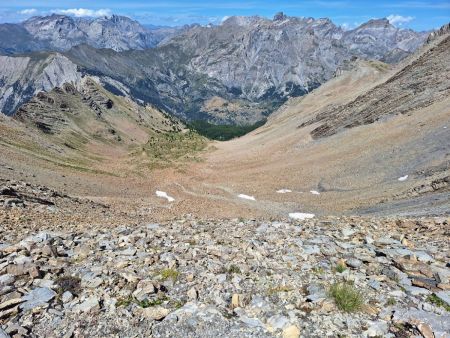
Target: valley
(325, 213)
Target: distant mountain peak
(383, 22)
(280, 16)
(61, 32)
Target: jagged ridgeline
(236, 73)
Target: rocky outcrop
(23, 77)
(442, 31)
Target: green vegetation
(391, 302)
(166, 149)
(169, 274)
(150, 303)
(223, 132)
(144, 303)
(124, 301)
(340, 268)
(233, 269)
(433, 299)
(346, 297)
(277, 289)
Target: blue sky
(419, 15)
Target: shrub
(233, 269)
(346, 297)
(169, 274)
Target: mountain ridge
(250, 65)
(61, 32)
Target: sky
(418, 15)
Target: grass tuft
(234, 269)
(433, 299)
(340, 268)
(346, 297)
(169, 274)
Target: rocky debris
(257, 279)
(21, 194)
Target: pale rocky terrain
(218, 277)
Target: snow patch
(163, 194)
(403, 178)
(300, 215)
(314, 192)
(246, 197)
(283, 191)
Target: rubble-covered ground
(322, 277)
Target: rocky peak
(442, 31)
(383, 22)
(241, 20)
(280, 16)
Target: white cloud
(28, 11)
(80, 12)
(398, 20)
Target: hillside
(84, 129)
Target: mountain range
(238, 72)
(60, 33)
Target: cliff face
(23, 77)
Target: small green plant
(346, 297)
(124, 301)
(149, 303)
(433, 299)
(318, 270)
(391, 302)
(277, 289)
(340, 268)
(234, 269)
(178, 304)
(169, 274)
